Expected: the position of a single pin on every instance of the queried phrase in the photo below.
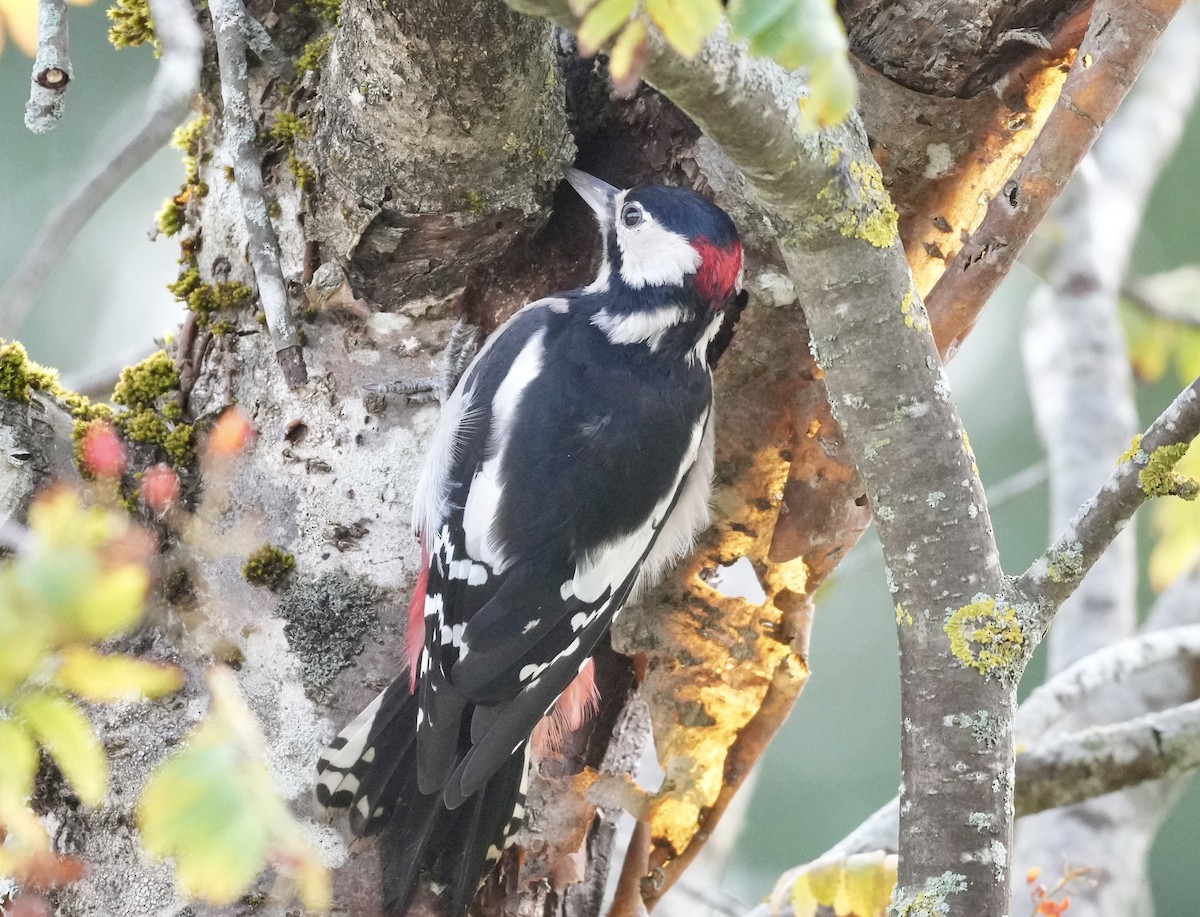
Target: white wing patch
(433, 487)
(639, 327)
(689, 518)
(486, 494)
(337, 766)
(605, 566)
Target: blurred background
(837, 759)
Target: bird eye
(631, 215)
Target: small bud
(102, 451)
(160, 487)
(231, 434)
(1033, 875)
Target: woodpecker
(571, 466)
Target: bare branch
(51, 68)
(1118, 43)
(229, 18)
(1054, 575)
(174, 86)
(1115, 663)
(1082, 765)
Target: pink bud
(160, 487)
(102, 451)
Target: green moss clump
(170, 217)
(288, 127)
(180, 444)
(303, 171)
(314, 52)
(475, 204)
(140, 385)
(186, 138)
(204, 299)
(328, 11)
(132, 24)
(268, 566)
(222, 327)
(143, 426)
(19, 375)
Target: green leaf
(18, 761)
(198, 809)
(65, 733)
(601, 23)
(799, 33)
(106, 678)
(213, 808)
(24, 635)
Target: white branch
(1113, 664)
(51, 68)
(175, 85)
(229, 25)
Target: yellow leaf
(18, 761)
(627, 57)
(1176, 526)
(804, 902)
(20, 17)
(685, 24)
(601, 23)
(860, 885)
(65, 733)
(869, 883)
(106, 678)
(113, 604)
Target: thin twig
(175, 85)
(1070, 768)
(51, 68)
(263, 46)
(1054, 575)
(240, 133)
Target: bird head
(658, 238)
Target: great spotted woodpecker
(572, 464)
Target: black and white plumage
(572, 464)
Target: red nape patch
(415, 636)
(719, 268)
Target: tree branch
(241, 134)
(52, 70)
(1145, 473)
(174, 86)
(1070, 768)
(1113, 664)
(1119, 41)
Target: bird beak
(598, 195)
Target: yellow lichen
(1160, 479)
(868, 213)
(914, 315)
(985, 636)
(903, 615)
(1134, 453)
